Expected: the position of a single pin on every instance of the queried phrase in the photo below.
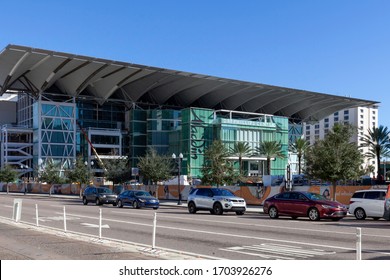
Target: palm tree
(217, 169)
(270, 149)
(299, 147)
(378, 142)
(240, 150)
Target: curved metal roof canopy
(37, 71)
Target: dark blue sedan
(137, 199)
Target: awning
(37, 71)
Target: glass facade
(197, 135)
(62, 130)
(54, 133)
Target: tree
(8, 175)
(299, 147)
(240, 150)
(270, 149)
(334, 158)
(118, 170)
(79, 173)
(378, 142)
(217, 169)
(155, 167)
(50, 174)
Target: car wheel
(135, 205)
(273, 213)
(218, 209)
(313, 214)
(360, 214)
(85, 201)
(97, 201)
(119, 204)
(240, 213)
(191, 208)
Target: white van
(367, 203)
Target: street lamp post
(179, 160)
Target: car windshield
(315, 196)
(142, 193)
(222, 192)
(104, 190)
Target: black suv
(99, 195)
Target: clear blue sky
(331, 46)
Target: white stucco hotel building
(363, 118)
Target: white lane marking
(220, 233)
(258, 225)
(265, 256)
(56, 218)
(94, 225)
(278, 251)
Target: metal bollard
(36, 214)
(154, 230)
(358, 243)
(100, 223)
(64, 220)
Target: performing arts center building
(69, 105)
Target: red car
(304, 204)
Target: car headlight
(141, 200)
(327, 206)
(103, 196)
(227, 199)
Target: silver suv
(215, 200)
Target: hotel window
(346, 112)
(326, 120)
(317, 131)
(346, 117)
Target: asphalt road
(251, 236)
